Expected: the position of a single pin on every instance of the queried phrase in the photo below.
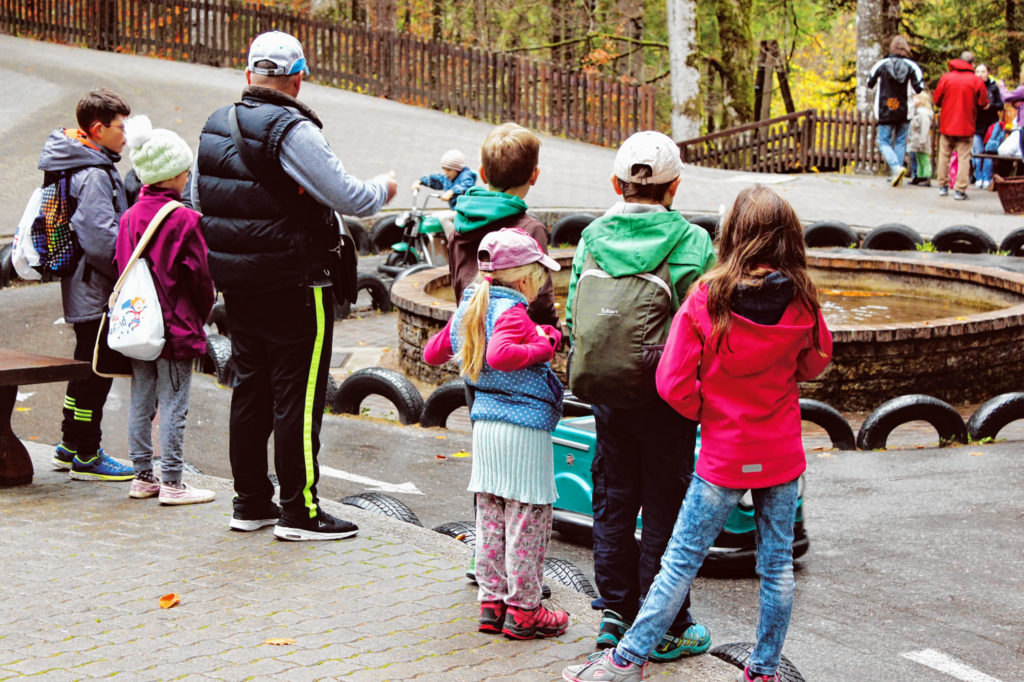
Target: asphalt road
(912, 550)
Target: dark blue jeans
(643, 460)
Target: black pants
(84, 399)
(281, 348)
(643, 460)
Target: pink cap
(511, 247)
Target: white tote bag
(23, 253)
(136, 327)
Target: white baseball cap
(283, 49)
(652, 149)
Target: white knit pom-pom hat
(157, 154)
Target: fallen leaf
(361, 343)
(440, 457)
(826, 455)
(440, 437)
(169, 600)
(23, 409)
(461, 453)
(977, 454)
(279, 641)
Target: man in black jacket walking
(893, 76)
(268, 219)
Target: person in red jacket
(176, 254)
(960, 94)
(746, 335)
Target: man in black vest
(268, 218)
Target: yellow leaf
(977, 454)
(169, 600)
(461, 453)
(440, 437)
(279, 641)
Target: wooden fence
(801, 141)
(463, 80)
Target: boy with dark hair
(508, 164)
(644, 454)
(86, 156)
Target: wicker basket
(1011, 193)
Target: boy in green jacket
(644, 454)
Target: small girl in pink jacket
(749, 330)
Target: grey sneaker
(943, 191)
(959, 196)
(600, 666)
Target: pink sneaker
(141, 488)
(186, 494)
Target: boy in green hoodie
(509, 167)
(644, 454)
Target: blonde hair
(474, 321)
(509, 155)
(923, 99)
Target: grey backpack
(619, 327)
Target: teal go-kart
(574, 441)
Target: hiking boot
(183, 493)
(613, 627)
(943, 191)
(745, 676)
(322, 527)
(601, 666)
(898, 176)
(534, 623)
(246, 522)
(62, 458)
(100, 468)
(143, 487)
(695, 640)
(959, 196)
(492, 617)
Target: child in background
(505, 356)
(920, 140)
(177, 259)
(455, 177)
(748, 332)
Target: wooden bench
(1006, 166)
(17, 369)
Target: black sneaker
(247, 521)
(323, 527)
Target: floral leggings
(511, 540)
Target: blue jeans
(982, 167)
(701, 519)
(892, 142)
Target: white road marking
(22, 397)
(947, 664)
(372, 484)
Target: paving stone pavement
(85, 566)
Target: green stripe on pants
(307, 413)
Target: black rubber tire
(830, 419)
(387, 383)
(384, 233)
(7, 272)
(218, 318)
(574, 407)
(420, 267)
(892, 237)
(738, 654)
(963, 239)
(218, 359)
(359, 235)
(1014, 243)
(444, 400)
(463, 531)
(992, 415)
(380, 295)
(710, 223)
(401, 259)
(825, 233)
(331, 391)
(907, 408)
(567, 230)
(384, 505)
(568, 574)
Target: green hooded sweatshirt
(632, 243)
(479, 207)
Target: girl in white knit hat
(176, 255)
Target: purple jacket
(1012, 98)
(177, 261)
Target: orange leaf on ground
(279, 641)
(169, 600)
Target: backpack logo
(609, 312)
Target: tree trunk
(560, 13)
(681, 18)
(1013, 41)
(870, 37)
(892, 12)
(737, 59)
(385, 14)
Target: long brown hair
(761, 233)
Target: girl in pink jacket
(749, 330)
